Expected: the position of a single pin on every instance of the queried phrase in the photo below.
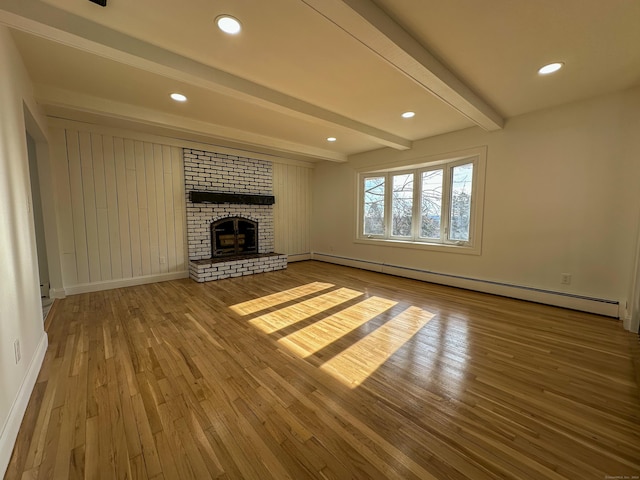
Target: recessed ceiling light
(178, 97)
(408, 114)
(228, 24)
(552, 67)
(331, 139)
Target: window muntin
(442, 199)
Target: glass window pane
(402, 204)
(461, 181)
(431, 204)
(374, 205)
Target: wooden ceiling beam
(47, 21)
(374, 28)
(58, 100)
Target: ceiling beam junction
(373, 27)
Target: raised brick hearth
(208, 270)
(221, 173)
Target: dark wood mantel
(237, 198)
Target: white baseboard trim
(298, 257)
(11, 427)
(125, 282)
(598, 306)
(631, 325)
(57, 293)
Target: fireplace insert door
(233, 236)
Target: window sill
(434, 247)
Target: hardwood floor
(328, 372)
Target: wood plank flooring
(327, 372)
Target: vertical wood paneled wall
(120, 203)
(292, 210)
(121, 207)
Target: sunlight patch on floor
(284, 317)
(361, 359)
(315, 337)
(268, 301)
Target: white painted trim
(632, 310)
(609, 308)
(299, 257)
(10, 429)
(57, 293)
(124, 282)
(173, 142)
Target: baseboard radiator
(600, 306)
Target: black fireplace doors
(233, 236)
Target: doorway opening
(38, 221)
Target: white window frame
(445, 162)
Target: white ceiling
(303, 70)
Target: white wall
(562, 195)
(20, 308)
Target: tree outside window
(461, 186)
(431, 204)
(402, 205)
(374, 196)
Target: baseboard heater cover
(236, 198)
(596, 305)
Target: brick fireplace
(229, 207)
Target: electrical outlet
(565, 278)
(16, 350)
(163, 260)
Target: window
(434, 204)
(374, 205)
(402, 205)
